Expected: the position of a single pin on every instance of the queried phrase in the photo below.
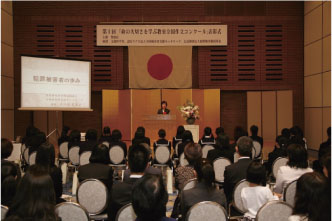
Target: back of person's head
(329, 132)
(222, 142)
(179, 131)
(205, 173)
(8, 182)
(285, 132)
(282, 141)
(220, 131)
(100, 154)
(31, 131)
(239, 132)
(141, 129)
(296, 131)
(75, 136)
(107, 131)
(207, 131)
(193, 153)
(35, 197)
(256, 173)
(187, 136)
(6, 148)
(138, 158)
(311, 198)
(139, 135)
(244, 145)
(149, 198)
(116, 135)
(254, 130)
(91, 135)
(65, 130)
(162, 133)
(46, 155)
(297, 156)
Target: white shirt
(287, 174)
(254, 198)
(297, 218)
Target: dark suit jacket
(141, 140)
(160, 111)
(73, 144)
(199, 194)
(207, 141)
(105, 138)
(98, 171)
(149, 170)
(120, 196)
(233, 174)
(87, 146)
(216, 153)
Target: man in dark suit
(138, 159)
(238, 171)
(163, 109)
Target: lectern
(153, 123)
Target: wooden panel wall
(67, 29)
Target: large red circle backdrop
(160, 66)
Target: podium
(194, 129)
(153, 123)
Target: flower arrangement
(189, 110)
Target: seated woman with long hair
(311, 199)
(34, 198)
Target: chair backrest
(253, 153)
(23, 147)
(219, 166)
(207, 210)
(274, 210)
(258, 148)
(85, 158)
(190, 184)
(106, 143)
(237, 200)
(177, 148)
(26, 155)
(63, 150)
(280, 161)
(116, 154)
(4, 210)
(15, 156)
(162, 154)
(126, 213)
(183, 161)
(74, 156)
(206, 149)
(92, 194)
(32, 158)
(70, 211)
(289, 193)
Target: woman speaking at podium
(163, 109)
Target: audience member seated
(238, 132)
(205, 190)
(9, 180)
(222, 149)
(311, 201)
(98, 168)
(238, 171)
(161, 142)
(285, 133)
(140, 137)
(178, 136)
(29, 132)
(257, 194)
(324, 149)
(207, 138)
(219, 131)
(35, 141)
(254, 135)
(193, 154)
(90, 141)
(280, 150)
(34, 198)
(46, 159)
(106, 135)
(116, 141)
(149, 199)
(297, 165)
(74, 139)
(186, 138)
(138, 159)
(6, 148)
(64, 135)
(296, 137)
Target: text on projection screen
(55, 83)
